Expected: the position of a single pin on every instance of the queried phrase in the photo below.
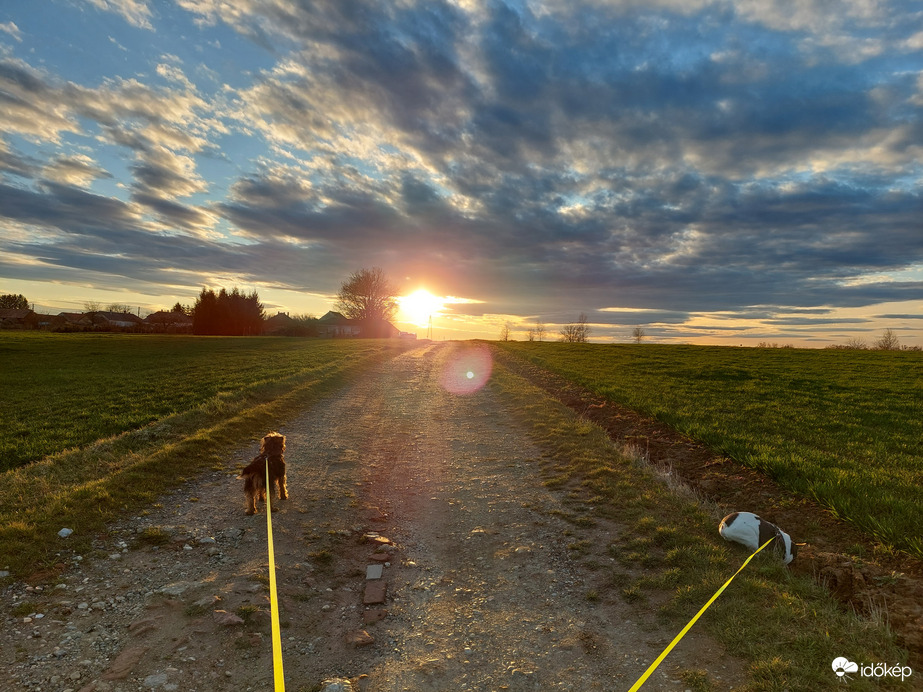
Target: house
(71, 322)
(96, 321)
(116, 321)
(335, 324)
(278, 324)
(169, 322)
(24, 318)
(379, 329)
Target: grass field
(188, 400)
(62, 391)
(96, 425)
(668, 561)
(844, 427)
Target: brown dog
(271, 450)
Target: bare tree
(531, 334)
(856, 344)
(540, 331)
(367, 295)
(888, 341)
(92, 306)
(118, 307)
(638, 334)
(576, 332)
(505, 332)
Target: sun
(419, 306)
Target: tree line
(227, 313)
(888, 341)
(368, 296)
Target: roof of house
(72, 316)
(168, 316)
(335, 318)
(14, 313)
(279, 319)
(118, 316)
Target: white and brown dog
(748, 529)
(272, 448)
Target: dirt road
(482, 591)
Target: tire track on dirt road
(486, 594)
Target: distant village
(331, 325)
(224, 313)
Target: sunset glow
(419, 306)
(724, 172)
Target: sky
(713, 171)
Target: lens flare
(467, 370)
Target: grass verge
(669, 560)
(85, 488)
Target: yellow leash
(685, 629)
(278, 676)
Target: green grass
(843, 427)
(63, 391)
(669, 561)
(189, 400)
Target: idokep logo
(843, 666)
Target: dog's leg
(283, 489)
(250, 490)
(272, 491)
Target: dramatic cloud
(704, 166)
(79, 170)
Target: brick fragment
(375, 592)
